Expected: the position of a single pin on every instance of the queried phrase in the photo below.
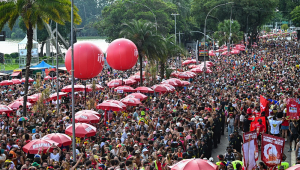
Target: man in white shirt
(56, 153)
(274, 124)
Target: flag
(271, 149)
(264, 105)
(253, 124)
(248, 136)
(249, 155)
(293, 109)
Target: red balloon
(88, 60)
(122, 54)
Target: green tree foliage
(250, 14)
(223, 33)
(295, 14)
(286, 6)
(121, 11)
(34, 13)
(284, 26)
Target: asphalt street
(291, 159)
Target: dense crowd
(166, 128)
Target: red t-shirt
(249, 111)
(285, 123)
(259, 128)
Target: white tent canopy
(22, 48)
(24, 41)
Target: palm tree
(223, 33)
(35, 12)
(143, 35)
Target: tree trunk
(42, 49)
(141, 69)
(28, 60)
(162, 69)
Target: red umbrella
(294, 167)
(129, 81)
(144, 90)
(160, 88)
(29, 99)
(49, 78)
(29, 80)
(116, 102)
(34, 146)
(60, 95)
(139, 96)
(144, 73)
(114, 83)
(186, 62)
(175, 74)
(197, 70)
(6, 83)
(82, 130)
(86, 118)
(36, 97)
(193, 66)
(211, 53)
(89, 87)
(16, 81)
(172, 88)
(225, 53)
(124, 89)
(76, 88)
(170, 81)
(60, 138)
(88, 111)
(185, 75)
(235, 51)
(5, 109)
(109, 106)
(131, 101)
(15, 105)
(137, 77)
(178, 81)
(197, 164)
(185, 83)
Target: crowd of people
(166, 128)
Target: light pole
(205, 32)
(175, 25)
(57, 83)
(72, 71)
(228, 45)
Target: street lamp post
(175, 25)
(205, 31)
(72, 71)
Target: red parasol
(139, 96)
(193, 66)
(16, 104)
(116, 102)
(178, 81)
(171, 88)
(185, 83)
(16, 81)
(235, 51)
(82, 130)
(76, 88)
(131, 101)
(294, 167)
(137, 77)
(60, 138)
(88, 111)
(124, 89)
(211, 53)
(129, 81)
(171, 82)
(185, 75)
(34, 146)
(197, 164)
(60, 95)
(144, 90)
(109, 106)
(36, 97)
(29, 99)
(114, 83)
(197, 70)
(160, 88)
(97, 88)
(86, 118)
(30, 80)
(6, 83)
(49, 78)
(5, 109)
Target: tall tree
(143, 35)
(224, 30)
(35, 12)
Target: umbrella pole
(57, 83)
(72, 71)
(85, 94)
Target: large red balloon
(88, 60)
(121, 54)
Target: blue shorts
(284, 127)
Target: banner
(248, 136)
(253, 124)
(293, 108)
(271, 149)
(264, 105)
(202, 52)
(249, 155)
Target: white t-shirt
(54, 157)
(274, 126)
